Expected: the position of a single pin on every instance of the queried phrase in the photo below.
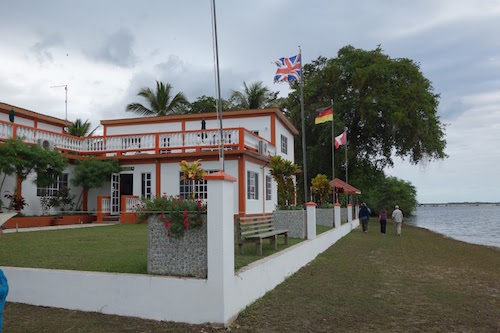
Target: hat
(397, 207)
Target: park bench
(253, 229)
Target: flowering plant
(176, 214)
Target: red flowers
(176, 214)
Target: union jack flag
(288, 69)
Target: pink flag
(341, 139)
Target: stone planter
(293, 220)
(185, 256)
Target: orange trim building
(150, 148)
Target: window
(58, 183)
(200, 187)
(252, 185)
(284, 144)
(146, 185)
(268, 188)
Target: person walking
(397, 217)
(382, 217)
(364, 215)
(4, 290)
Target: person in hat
(397, 217)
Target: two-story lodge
(149, 149)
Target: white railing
(6, 130)
(106, 205)
(131, 204)
(173, 142)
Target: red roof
(339, 184)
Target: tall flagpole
(303, 127)
(216, 47)
(346, 166)
(333, 158)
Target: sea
(471, 224)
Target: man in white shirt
(397, 217)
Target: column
(311, 220)
(336, 213)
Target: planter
(293, 220)
(45, 221)
(185, 256)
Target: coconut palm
(160, 101)
(80, 128)
(254, 96)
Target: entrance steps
(111, 219)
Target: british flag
(288, 69)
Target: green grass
(321, 229)
(420, 282)
(118, 249)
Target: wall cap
(220, 175)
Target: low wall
(188, 300)
(45, 221)
(293, 220)
(186, 256)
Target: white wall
(49, 127)
(22, 121)
(187, 300)
(261, 124)
(8, 187)
(254, 206)
(271, 204)
(282, 130)
(144, 128)
(34, 206)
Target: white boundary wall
(218, 299)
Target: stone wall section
(293, 220)
(185, 256)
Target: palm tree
(80, 128)
(160, 102)
(254, 96)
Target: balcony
(188, 142)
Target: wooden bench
(254, 229)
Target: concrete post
(311, 220)
(220, 241)
(336, 213)
(349, 213)
(356, 212)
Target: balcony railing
(149, 143)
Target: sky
(105, 51)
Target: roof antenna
(65, 86)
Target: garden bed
(45, 221)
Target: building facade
(149, 150)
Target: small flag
(288, 69)
(341, 139)
(324, 115)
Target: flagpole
(333, 158)
(219, 98)
(346, 166)
(303, 127)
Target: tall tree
(80, 128)
(205, 104)
(254, 96)
(161, 102)
(388, 105)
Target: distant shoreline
(459, 204)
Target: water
(471, 224)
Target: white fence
(217, 299)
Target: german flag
(324, 115)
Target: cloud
(116, 49)
(42, 49)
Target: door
(115, 194)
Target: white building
(150, 149)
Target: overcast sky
(105, 51)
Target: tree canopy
(388, 106)
(80, 128)
(253, 96)
(161, 102)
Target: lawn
(117, 248)
(419, 282)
